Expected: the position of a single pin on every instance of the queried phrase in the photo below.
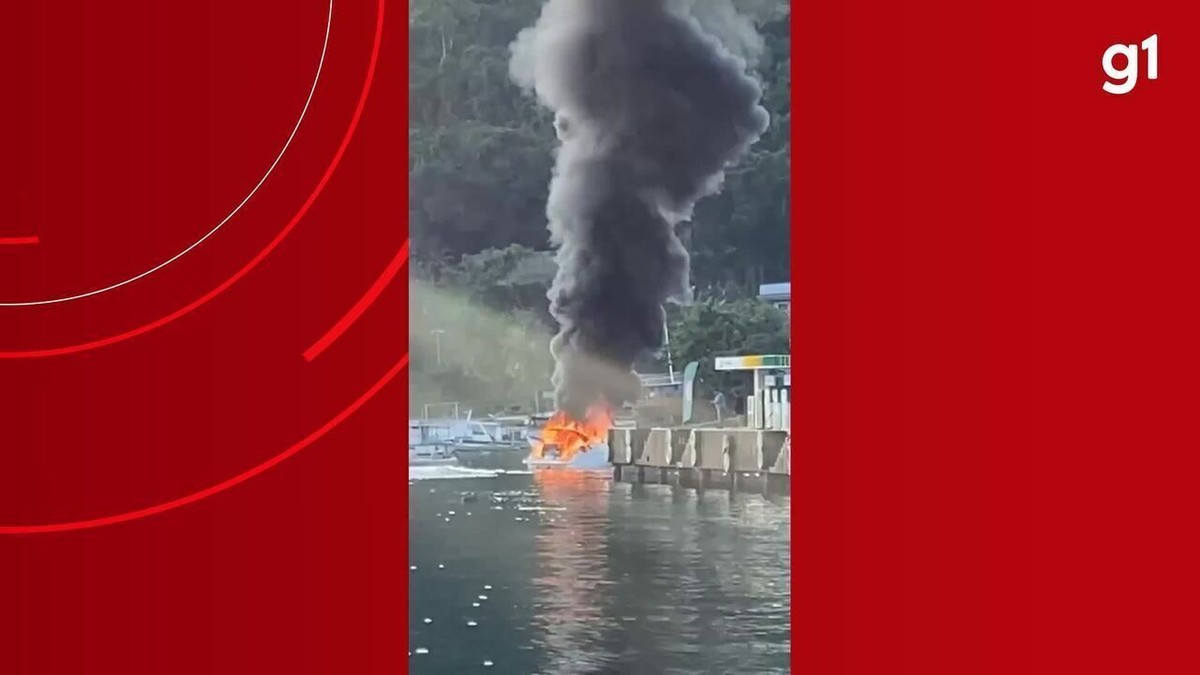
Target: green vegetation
(714, 327)
(480, 158)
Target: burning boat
(567, 443)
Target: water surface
(567, 573)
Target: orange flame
(568, 436)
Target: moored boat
(563, 443)
(469, 437)
(431, 454)
(592, 458)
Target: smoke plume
(650, 108)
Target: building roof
(780, 291)
(654, 380)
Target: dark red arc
(313, 437)
(361, 306)
(270, 247)
(18, 241)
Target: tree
(715, 327)
(464, 351)
(513, 277)
(481, 151)
(480, 160)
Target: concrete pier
(757, 460)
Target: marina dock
(757, 460)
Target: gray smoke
(650, 106)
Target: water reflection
(573, 581)
(655, 579)
(583, 575)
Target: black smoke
(651, 107)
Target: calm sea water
(564, 574)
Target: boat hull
(594, 458)
(481, 448)
(433, 462)
(431, 454)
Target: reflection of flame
(567, 436)
(573, 574)
(569, 486)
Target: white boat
(467, 436)
(491, 437)
(431, 454)
(595, 457)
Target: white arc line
(304, 112)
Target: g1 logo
(1125, 79)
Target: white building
(770, 405)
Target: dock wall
(735, 459)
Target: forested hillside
(481, 152)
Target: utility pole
(437, 337)
(670, 361)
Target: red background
(129, 131)
(994, 348)
(994, 338)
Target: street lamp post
(437, 338)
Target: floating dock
(752, 460)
